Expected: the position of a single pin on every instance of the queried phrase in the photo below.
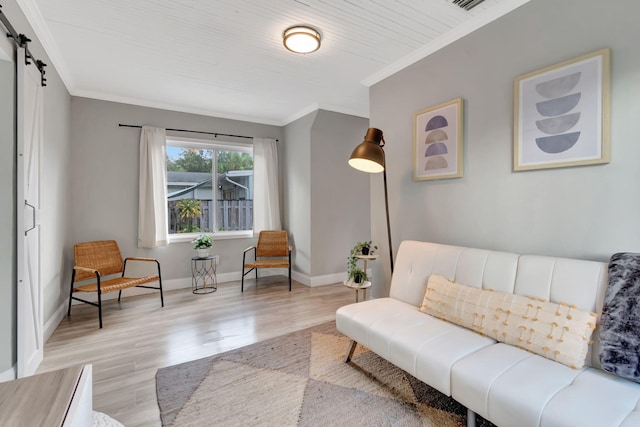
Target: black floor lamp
(369, 157)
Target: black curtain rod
(215, 134)
(23, 41)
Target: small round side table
(361, 286)
(366, 258)
(358, 287)
(203, 275)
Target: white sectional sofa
(507, 385)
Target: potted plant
(358, 275)
(202, 243)
(355, 273)
(363, 248)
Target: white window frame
(202, 144)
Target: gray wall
(339, 193)
(296, 168)
(105, 161)
(55, 201)
(326, 201)
(585, 212)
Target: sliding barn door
(29, 132)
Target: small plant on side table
(358, 276)
(355, 273)
(202, 243)
(363, 248)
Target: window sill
(188, 237)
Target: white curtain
(152, 206)
(266, 197)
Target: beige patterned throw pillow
(558, 332)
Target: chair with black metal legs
(100, 259)
(272, 251)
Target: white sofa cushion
(357, 320)
(422, 345)
(473, 376)
(594, 399)
(518, 396)
(479, 268)
(508, 385)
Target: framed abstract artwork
(437, 141)
(561, 114)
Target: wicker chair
(272, 245)
(102, 258)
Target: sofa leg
(350, 350)
(471, 418)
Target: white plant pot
(203, 253)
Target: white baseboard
(55, 320)
(328, 279)
(185, 282)
(313, 281)
(8, 375)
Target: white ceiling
(225, 58)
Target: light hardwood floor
(139, 337)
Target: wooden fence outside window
(232, 215)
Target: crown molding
(211, 113)
(446, 39)
(333, 108)
(301, 113)
(40, 27)
(172, 107)
(364, 113)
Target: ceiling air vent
(467, 4)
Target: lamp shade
(369, 155)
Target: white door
(29, 132)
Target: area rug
(300, 379)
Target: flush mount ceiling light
(301, 39)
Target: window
(209, 188)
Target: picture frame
(438, 141)
(562, 114)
